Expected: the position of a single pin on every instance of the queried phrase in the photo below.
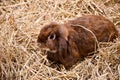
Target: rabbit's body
(103, 28)
(74, 40)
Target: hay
(20, 23)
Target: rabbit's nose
(42, 46)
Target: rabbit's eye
(52, 36)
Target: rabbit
(73, 40)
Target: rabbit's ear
(63, 30)
(63, 50)
(68, 52)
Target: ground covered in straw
(20, 23)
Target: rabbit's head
(49, 36)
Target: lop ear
(63, 51)
(63, 30)
(68, 53)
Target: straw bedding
(20, 24)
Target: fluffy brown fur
(72, 41)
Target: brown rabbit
(67, 43)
